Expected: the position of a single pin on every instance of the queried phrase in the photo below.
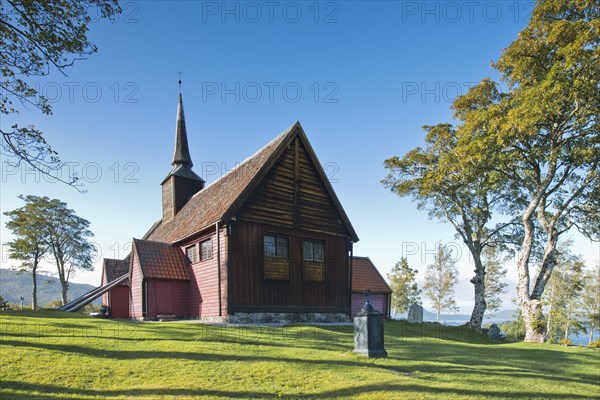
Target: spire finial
(179, 73)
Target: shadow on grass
(390, 390)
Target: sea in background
(498, 318)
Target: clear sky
(362, 77)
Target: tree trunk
(531, 308)
(567, 330)
(480, 305)
(34, 285)
(65, 288)
(535, 328)
(591, 333)
(33, 290)
(438, 312)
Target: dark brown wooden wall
(293, 195)
(250, 291)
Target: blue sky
(362, 78)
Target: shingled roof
(160, 260)
(220, 200)
(366, 276)
(113, 269)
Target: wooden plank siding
(204, 278)
(378, 301)
(249, 291)
(105, 299)
(118, 302)
(137, 291)
(292, 195)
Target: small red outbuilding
(365, 276)
(117, 298)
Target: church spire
(181, 183)
(182, 150)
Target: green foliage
(514, 329)
(35, 38)
(595, 344)
(30, 244)
(590, 299)
(530, 152)
(563, 295)
(495, 284)
(441, 278)
(404, 287)
(51, 225)
(56, 303)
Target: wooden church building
(268, 241)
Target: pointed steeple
(182, 150)
(181, 183)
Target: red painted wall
(105, 300)
(118, 302)
(378, 301)
(136, 290)
(167, 297)
(204, 280)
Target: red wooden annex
(117, 298)
(365, 276)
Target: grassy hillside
(14, 285)
(55, 355)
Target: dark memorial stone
(368, 331)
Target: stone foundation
(287, 318)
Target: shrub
(514, 329)
(90, 308)
(566, 342)
(54, 304)
(595, 344)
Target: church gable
(294, 194)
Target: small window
(206, 250)
(314, 257)
(190, 252)
(276, 257)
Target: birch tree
(404, 287)
(30, 244)
(591, 301)
(541, 138)
(441, 278)
(67, 235)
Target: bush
(90, 308)
(54, 304)
(566, 342)
(595, 344)
(514, 329)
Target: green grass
(55, 355)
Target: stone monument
(368, 331)
(415, 314)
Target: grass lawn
(55, 355)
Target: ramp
(92, 295)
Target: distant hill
(13, 285)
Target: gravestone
(368, 331)
(494, 332)
(415, 314)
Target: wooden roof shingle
(366, 276)
(113, 269)
(220, 200)
(160, 260)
